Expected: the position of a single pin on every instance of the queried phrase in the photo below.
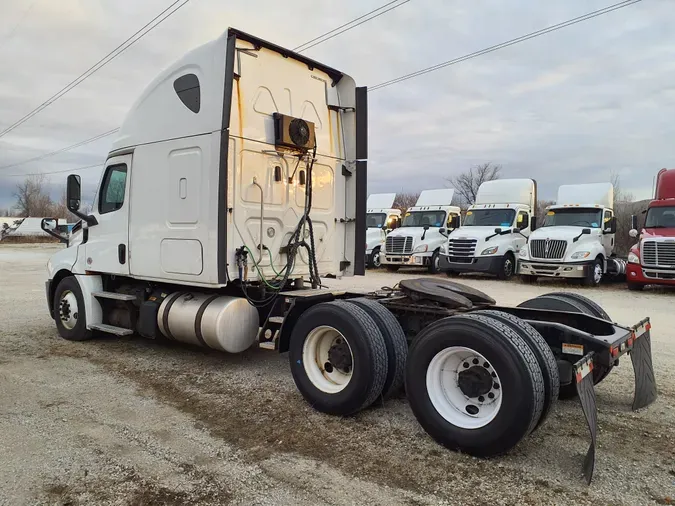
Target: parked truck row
(237, 183)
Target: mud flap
(584, 380)
(641, 356)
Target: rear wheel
(435, 263)
(338, 358)
(394, 340)
(69, 313)
(507, 266)
(474, 384)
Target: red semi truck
(652, 260)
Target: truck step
(114, 296)
(276, 319)
(111, 329)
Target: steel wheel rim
(597, 273)
(376, 259)
(315, 358)
(68, 310)
(437, 262)
(508, 267)
(445, 394)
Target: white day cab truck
(494, 229)
(576, 239)
(423, 232)
(381, 218)
(240, 173)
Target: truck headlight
(490, 251)
(580, 254)
(633, 258)
(422, 248)
(523, 252)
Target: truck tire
(435, 262)
(69, 313)
(545, 357)
(465, 361)
(392, 268)
(576, 303)
(338, 358)
(374, 259)
(594, 275)
(635, 287)
(394, 340)
(507, 266)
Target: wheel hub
(340, 356)
(65, 310)
(475, 381)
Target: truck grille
(555, 249)
(461, 247)
(399, 245)
(658, 254)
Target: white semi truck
(576, 239)
(494, 229)
(240, 172)
(381, 218)
(423, 232)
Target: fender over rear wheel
(474, 384)
(338, 358)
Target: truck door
(107, 246)
(522, 224)
(607, 238)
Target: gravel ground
(132, 421)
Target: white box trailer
(576, 239)
(494, 230)
(239, 172)
(381, 218)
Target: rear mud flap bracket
(641, 356)
(583, 376)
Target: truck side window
(606, 218)
(450, 217)
(187, 89)
(113, 189)
(523, 220)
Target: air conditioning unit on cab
(293, 133)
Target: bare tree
(540, 212)
(405, 200)
(619, 194)
(32, 198)
(467, 183)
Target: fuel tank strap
(198, 319)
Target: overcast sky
(570, 106)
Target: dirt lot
(132, 421)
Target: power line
(55, 171)
(508, 43)
(62, 150)
(320, 39)
(147, 28)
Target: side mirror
(586, 231)
(455, 222)
(73, 192)
(533, 223)
(633, 233)
(610, 226)
(633, 223)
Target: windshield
(489, 218)
(422, 218)
(660, 217)
(573, 217)
(375, 220)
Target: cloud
(572, 105)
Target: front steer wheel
(69, 313)
(338, 358)
(474, 384)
